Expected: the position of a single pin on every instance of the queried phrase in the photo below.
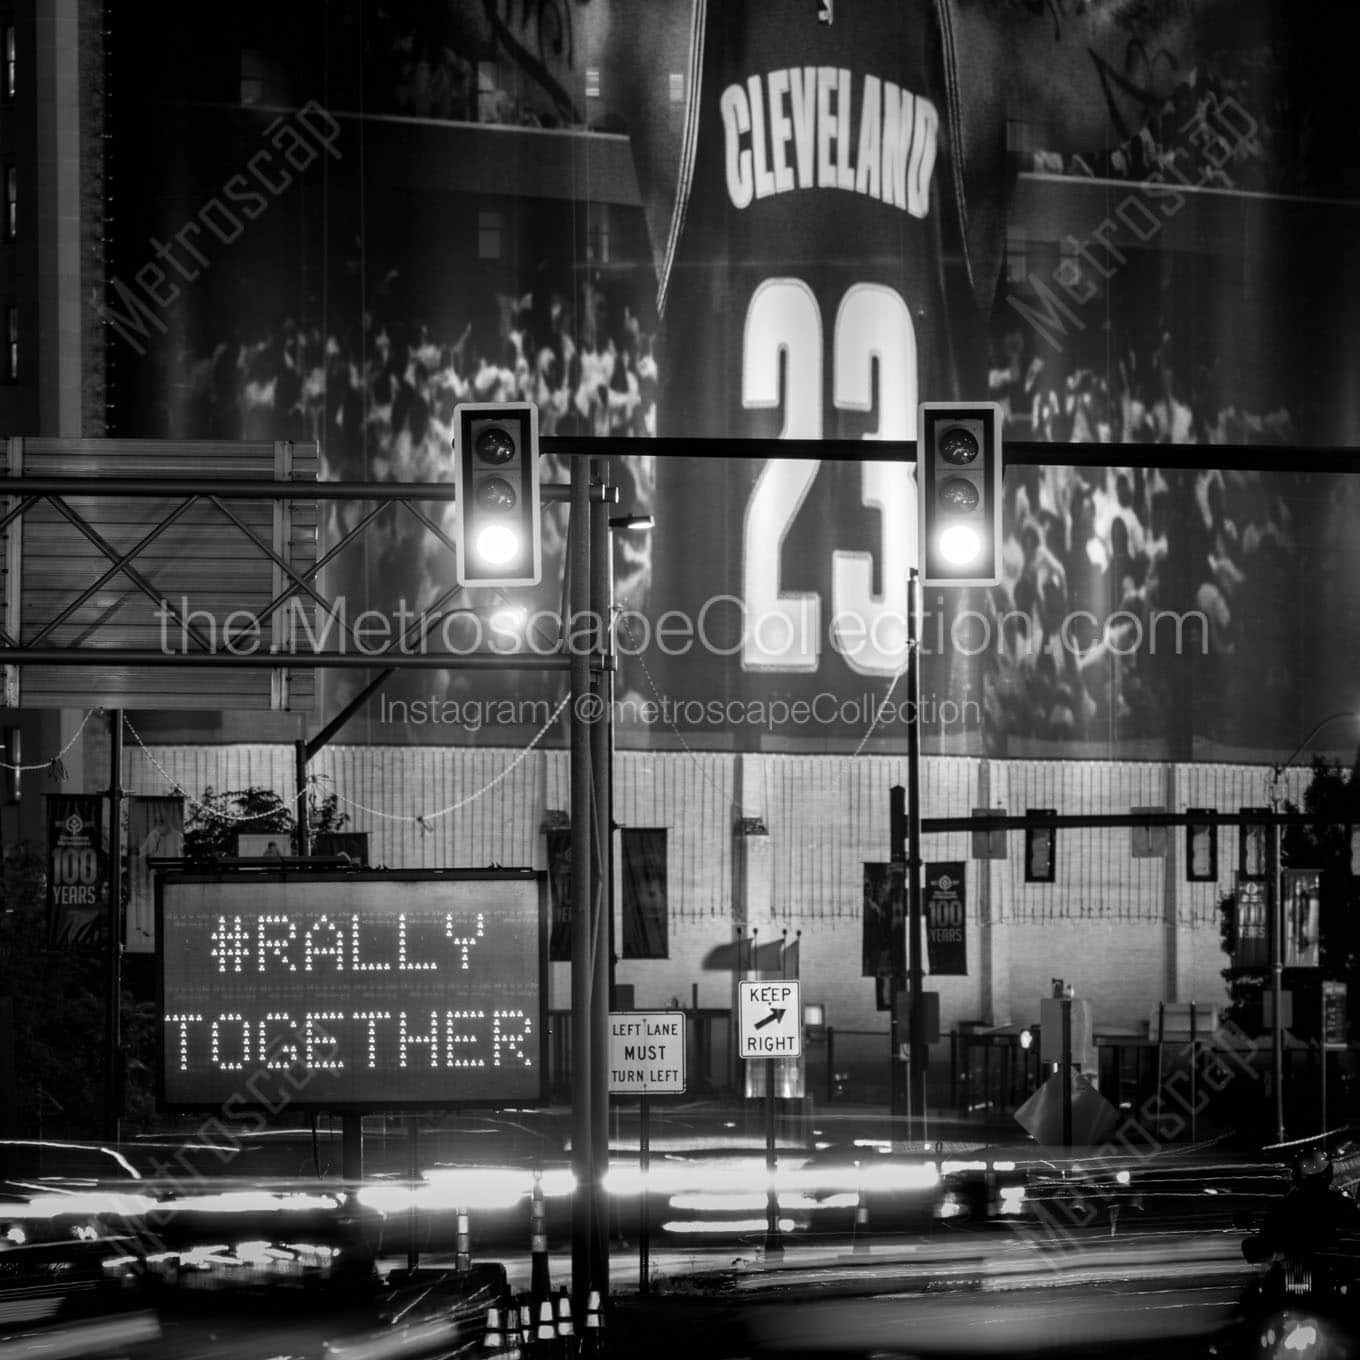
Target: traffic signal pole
(899, 1077)
(602, 750)
(918, 1050)
(582, 890)
(1275, 901)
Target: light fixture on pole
(1277, 941)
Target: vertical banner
(155, 831)
(1335, 1028)
(559, 894)
(1302, 911)
(884, 948)
(945, 914)
(77, 869)
(1253, 924)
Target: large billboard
(364, 990)
(785, 220)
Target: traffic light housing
(1201, 848)
(1041, 849)
(498, 542)
(958, 469)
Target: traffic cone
(495, 1339)
(861, 1225)
(545, 1341)
(512, 1349)
(566, 1325)
(592, 1338)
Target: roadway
(978, 1292)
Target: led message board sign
(358, 990)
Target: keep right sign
(769, 1019)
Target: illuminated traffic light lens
(960, 545)
(959, 446)
(496, 494)
(495, 446)
(958, 496)
(497, 544)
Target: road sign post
(646, 1057)
(770, 1026)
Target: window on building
(12, 354)
(11, 202)
(11, 61)
(488, 236)
(645, 910)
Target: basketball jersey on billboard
(802, 287)
(802, 296)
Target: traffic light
(1041, 848)
(958, 469)
(496, 478)
(1201, 849)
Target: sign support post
(113, 1055)
(1322, 1051)
(644, 1225)
(1275, 899)
(413, 1158)
(770, 1026)
(774, 1242)
(1067, 1072)
(899, 1074)
(645, 1055)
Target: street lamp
(1277, 917)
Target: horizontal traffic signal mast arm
(1019, 453)
(1078, 820)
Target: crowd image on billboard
(388, 329)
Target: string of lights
(422, 819)
(54, 763)
(425, 818)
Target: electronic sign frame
(358, 954)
